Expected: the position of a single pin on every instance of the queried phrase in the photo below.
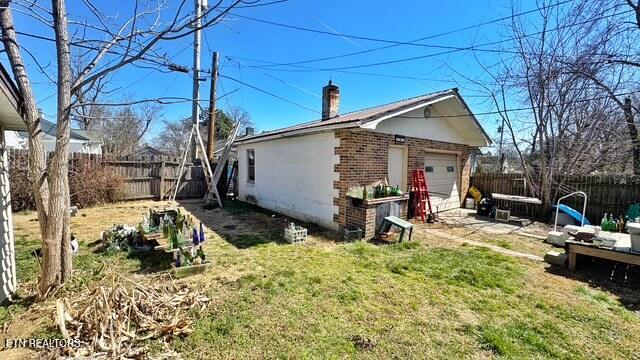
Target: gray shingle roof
(356, 117)
(51, 129)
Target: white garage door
(441, 171)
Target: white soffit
(374, 123)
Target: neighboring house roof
(51, 129)
(491, 163)
(148, 150)
(88, 134)
(11, 103)
(367, 118)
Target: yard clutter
(112, 321)
(376, 198)
(121, 237)
(376, 190)
(168, 230)
(295, 233)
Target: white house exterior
(293, 176)
(10, 119)
(305, 171)
(80, 141)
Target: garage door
(441, 171)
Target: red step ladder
(419, 184)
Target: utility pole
(195, 109)
(211, 141)
(500, 153)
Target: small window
(450, 169)
(251, 165)
(428, 169)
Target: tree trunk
(37, 157)
(633, 134)
(59, 202)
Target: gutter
(300, 132)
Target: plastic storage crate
(295, 233)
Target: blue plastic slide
(573, 213)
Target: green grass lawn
(324, 299)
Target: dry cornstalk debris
(113, 320)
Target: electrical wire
(453, 49)
(293, 86)
(269, 93)
(361, 37)
(428, 37)
(529, 108)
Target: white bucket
(470, 203)
(635, 242)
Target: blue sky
(243, 43)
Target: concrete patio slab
(469, 218)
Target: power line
(395, 76)
(394, 43)
(299, 88)
(350, 41)
(358, 37)
(528, 108)
(350, 36)
(258, 4)
(270, 93)
(428, 36)
(452, 50)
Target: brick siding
(364, 158)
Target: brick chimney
(330, 101)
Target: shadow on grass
(245, 241)
(20, 300)
(621, 279)
(151, 261)
(268, 225)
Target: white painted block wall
(293, 176)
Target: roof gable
(449, 122)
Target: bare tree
(132, 42)
(611, 64)
(565, 125)
(174, 134)
(122, 129)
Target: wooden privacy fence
(157, 179)
(610, 194)
(148, 177)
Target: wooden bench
(621, 252)
(402, 224)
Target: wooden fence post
(162, 180)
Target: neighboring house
(306, 170)
(80, 141)
(491, 164)
(148, 150)
(92, 144)
(10, 119)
